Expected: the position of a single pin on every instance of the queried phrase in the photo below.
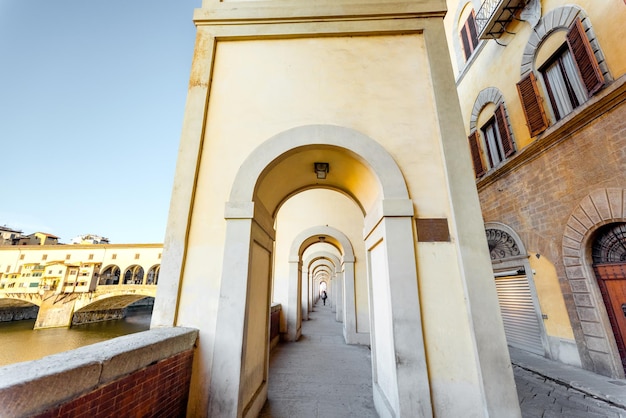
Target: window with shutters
(569, 77)
(565, 89)
(469, 35)
(492, 144)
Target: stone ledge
(30, 387)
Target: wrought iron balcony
(495, 15)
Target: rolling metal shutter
(521, 322)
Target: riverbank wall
(141, 374)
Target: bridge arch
(112, 297)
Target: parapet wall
(142, 374)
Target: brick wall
(537, 196)
(146, 374)
(159, 390)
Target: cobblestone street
(543, 398)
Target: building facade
(9, 236)
(542, 91)
(322, 145)
(62, 281)
(78, 268)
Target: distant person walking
(324, 296)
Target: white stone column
(339, 297)
(399, 369)
(238, 375)
(349, 311)
(333, 294)
(311, 285)
(304, 297)
(485, 321)
(294, 323)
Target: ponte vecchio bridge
(78, 283)
(63, 309)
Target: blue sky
(92, 96)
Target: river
(19, 342)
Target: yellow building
(542, 91)
(323, 147)
(38, 238)
(65, 279)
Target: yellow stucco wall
(551, 298)
(262, 88)
(499, 66)
(606, 18)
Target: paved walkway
(549, 389)
(321, 377)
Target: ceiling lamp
(321, 170)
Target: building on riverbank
(65, 279)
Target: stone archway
(517, 294)
(345, 295)
(322, 271)
(609, 264)
(240, 383)
(308, 279)
(597, 209)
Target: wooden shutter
(479, 168)
(505, 134)
(467, 49)
(471, 25)
(469, 36)
(581, 50)
(536, 118)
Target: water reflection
(19, 342)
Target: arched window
(491, 141)
(153, 275)
(566, 71)
(110, 276)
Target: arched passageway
(361, 104)
(326, 253)
(259, 190)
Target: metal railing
(485, 13)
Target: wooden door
(612, 283)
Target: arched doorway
(599, 208)
(609, 263)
